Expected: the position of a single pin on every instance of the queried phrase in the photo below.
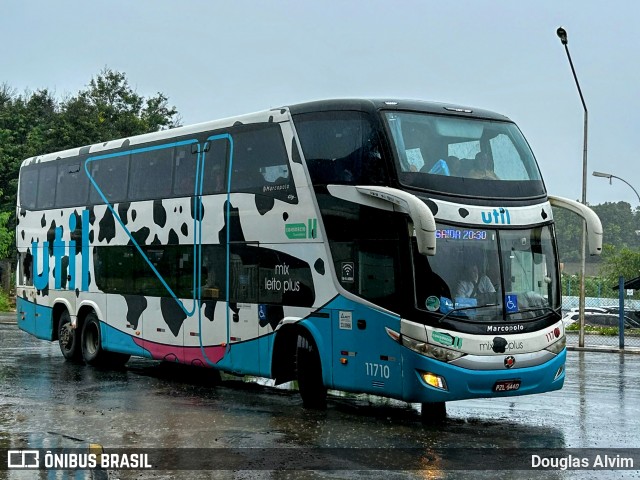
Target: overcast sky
(216, 58)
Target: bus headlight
(557, 347)
(423, 348)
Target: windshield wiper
(460, 309)
(524, 310)
(547, 308)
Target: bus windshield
(459, 155)
(488, 275)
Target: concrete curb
(632, 351)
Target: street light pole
(609, 176)
(562, 34)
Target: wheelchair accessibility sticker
(511, 302)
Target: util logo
(500, 215)
(59, 251)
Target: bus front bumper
(429, 380)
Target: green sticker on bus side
(296, 231)
(446, 339)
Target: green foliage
(36, 123)
(606, 331)
(6, 235)
(5, 304)
(619, 261)
(598, 287)
(619, 223)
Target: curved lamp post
(562, 34)
(610, 176)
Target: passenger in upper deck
(482, 167)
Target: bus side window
(73, 185)
(184, 174)
(111, 177)
(243, 269)
(28, 187)
(47, 186)
(341, 147)
(260, 162)
(26, 269)
(151, 174)
(215, 165)
(213, 274)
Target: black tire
(309, 374)
(69, 339)
(92, 351)
(434, 413)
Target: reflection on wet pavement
(48, 402)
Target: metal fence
(601, 320)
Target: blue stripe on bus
(117, 217)
(214, 138)
(197, 224)
(34, 319)
(115, 340)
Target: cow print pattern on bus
(107, 226)
(136, 304)
(159, 214)
(173, 314)
(254, 217)
(233, 224)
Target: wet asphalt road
(47, 402)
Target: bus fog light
(434, 380)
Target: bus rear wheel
(69, 338)
(92, 352)
(309, 374)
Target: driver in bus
(472, 284)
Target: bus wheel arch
(283, 360)
(309, 372)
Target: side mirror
(594, 226)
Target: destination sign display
(461, 234)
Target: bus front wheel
(69, 338)
(309, 374)
(433, 413)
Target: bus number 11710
(377, 370)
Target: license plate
(506, 386)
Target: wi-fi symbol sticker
(347, 271)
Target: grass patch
(5, 304)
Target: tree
(6, 235)
(109, 109)
(35, 123)
(623, 261)
(619, 223)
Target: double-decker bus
(397, 248)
